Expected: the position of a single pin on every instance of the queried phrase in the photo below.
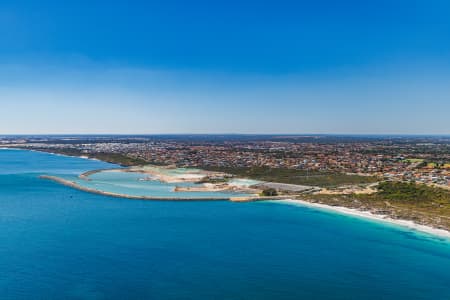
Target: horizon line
(219, 134)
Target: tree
(269, 192)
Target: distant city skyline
(252, 67)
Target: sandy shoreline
(52, 153)
(371, 216)
(65, 155)
(336, 209)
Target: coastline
(442, 233)
(76, 186)
(65, 155)
(55, 153)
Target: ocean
(61, 243)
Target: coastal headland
(415, 205)
(284, 199)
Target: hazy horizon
(225, 134)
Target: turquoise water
(60, 243)
(130, 184)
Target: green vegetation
(437, 165)
(120, 159)
(414, 160)
(412, 193)
(400, 200)
(269, 192)
(294, 176)
(115, 158)
(426, 163)
(213, 180)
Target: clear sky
(225, 66)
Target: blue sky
(225, 67)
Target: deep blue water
(60, 243)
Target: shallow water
(127, 183)
(61, 243)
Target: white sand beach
(368, 215)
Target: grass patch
(414, 160)
(293, 176)
(412, 193)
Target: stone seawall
(75, 185)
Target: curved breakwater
(74, 185)
(77, 186)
